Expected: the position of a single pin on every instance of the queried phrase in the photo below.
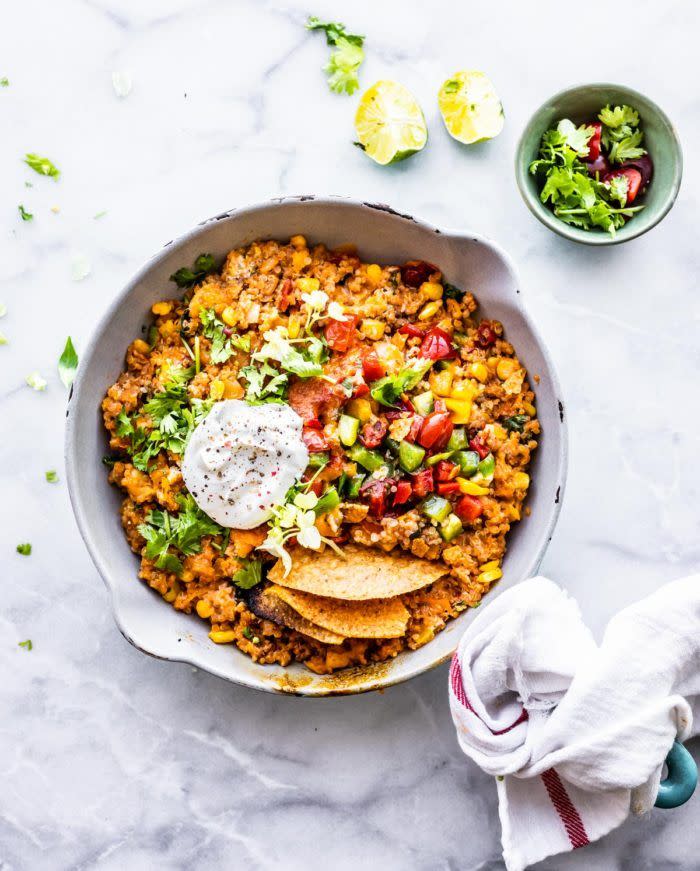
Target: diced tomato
(416, 425)
(375, 493)
(594, 141)
(314, 440)
(412, 330)
(316, 485)
(372, 369)
(634, 181)
(360, 390)
(403, 492)
(340, 334)
(313, 423)
(436, 430)
(415, 272)
(286, 295)
(468, 508)
(485, 335)
(437, 345)
(445, 470)
(476, 444)
(372, 434)
(423, 483)
(447, 488)
(313, 398)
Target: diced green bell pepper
(370, 460)
(435, 507)
(327, 502)
(458, 440)
(348, 428)
(450, 527)
(468, 462)
(487, 467)
(353, 486)
(423, 403)
(431, 461)
(410, 456)
(319, 460)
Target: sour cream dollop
(242, 459)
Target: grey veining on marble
(111, 760)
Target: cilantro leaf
(26, 216)
(186, 277)
(388, 390)
(627, 148)
(42, 165)
(248, 575)
(68, 363)
(346, 57)
(452, 292)
(222, 345)
(575, 137)
(24, 549)
(27, 645)
(515, 423)
(618, 116)
(258, 391)
(618, 186)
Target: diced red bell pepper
(485, 335)
(316, 485)
(314, 440)
(415, 429)
(415, 272)
(340, 334)
(375, 493)
(436, 430)
(361, 389)
(634, 181)
(445, 470)
(476, 444)
(403, 492)
(412, 330)
(286, 294)
(468, 508)
(422, 483)
(372, 434)
(447, 488)
(372, 369)
(437, 345)
(594, 141)
(313, 423)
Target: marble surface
(112, 760)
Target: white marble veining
(111, 760)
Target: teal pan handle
(682, 778)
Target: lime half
(389, 123)
(470, 107)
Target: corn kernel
(530, 409)
(140, 346)
(162, 308)
(308, 285)
(222, 636)
(429, 310)
(486, 567)
(360, 408)
(479, 371)
(298, 242)
(521, 480)
(293, 326)
(490, 577)
(204, 609)
(441, 382)
(233, 389)
(461, 409)
(372, 329)
(424, 637)
(471, 489)
(216, 389)
(300, 259)
(463, 389)
(506, 367)
(513, 512)
(431, 290)
(172, 593)
(229, 316)
(374, 273)
(492, 362)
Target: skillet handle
(682, 778)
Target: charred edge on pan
(168, 244)
(561, 410)
(556, 498)
(383, 207)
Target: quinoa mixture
(418, 418)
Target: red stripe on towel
(567, 812)
(461, 696)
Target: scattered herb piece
(4, 82)
(3, 339)
(27, 645)
(249, 575)
(185, 277)
(452, 292)
(248, 634)
(80, 266)
(42, 165)
(36, 382)
(52, 476)
(259, 390)
(516, 422)
(346, 57)
(26, 216)
(68, 363)
(3, 309)
(223, 340)
(25, 549)
(99, 215)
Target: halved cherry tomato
(340, 334)
(436, 430)
(412, 330)
(476, 444)
(375, 493)
(403, 492)
(485, 335)
(372, 434)
(437, 345)
(372, 369)
(594, 141)
(423, 483)
(468, 508)
(360, 390)
(447, 488)
(415, 272)
(314, 440)
(634, 181)
(445, 470)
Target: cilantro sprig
(621, 136)
(346, 57)
(223, 342)
(248, 575)
(186, 277)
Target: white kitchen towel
(576, 733)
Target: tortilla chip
(370, 618)
(270, 607)
(365, 573)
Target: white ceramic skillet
(381, 235)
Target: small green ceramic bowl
(580, 104)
